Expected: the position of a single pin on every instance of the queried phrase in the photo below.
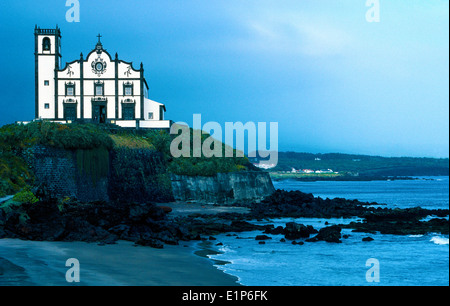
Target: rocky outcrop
(150, 225)
(144, 224)
(328, 234)
(223, 188)
(292, 231)
(137, 175)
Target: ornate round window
(98, 66)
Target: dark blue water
(426, 192)
(421, 260)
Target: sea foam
(439, 240)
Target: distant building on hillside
(324, 171)
(264, 166)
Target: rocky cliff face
(137, 175)
(223, 188)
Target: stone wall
(54, 168)
(131, 174)
(223, 188)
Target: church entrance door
(99, 113)
(102, 111)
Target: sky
(333, 81)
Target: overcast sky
(333, 81)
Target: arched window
(46, 44)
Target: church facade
(96, 88)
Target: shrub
(14, 174)
(25, 196)
(207, 166)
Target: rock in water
(294, 231)
(328, 234)
(262, 237)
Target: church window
(46, 83)
(47, 105)
(99, 89)
(150, 115)
(70, 89)
(128, 89)
(46, 44)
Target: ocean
(388, 260)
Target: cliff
(138, 175)
(223, 188)
(106, 163)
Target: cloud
(295, 34)
(274, 29)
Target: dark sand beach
(43, 263)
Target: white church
(96, 88)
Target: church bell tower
(47, 52)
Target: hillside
(92, 145)
(363, 165)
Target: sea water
(416, 260)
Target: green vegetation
(14, 174)
(363, 165)
(207, 166)
(131, 141)
(15, 137)
(25, 196)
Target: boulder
(274, 231)
(262, 237)
(166, 209)
(150, 242)
(328, 234)
(139, 213)
(294, 231)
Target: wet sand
(121, 264)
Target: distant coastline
(352, 167)
(276, 176)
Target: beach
(121, 264)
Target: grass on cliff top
(131, 141)
(15, 137)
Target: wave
(439, 240)
(415, 236)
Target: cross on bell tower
(99, 45)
